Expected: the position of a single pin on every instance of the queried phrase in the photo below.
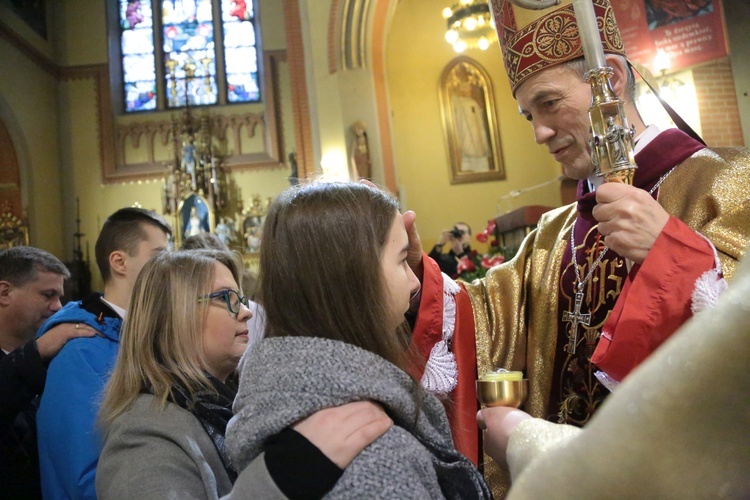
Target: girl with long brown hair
(335, 285)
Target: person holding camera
(458, 237)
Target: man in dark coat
(31, 285)
(459, 238)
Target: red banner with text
(690, 32)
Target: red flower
(488, 231)
(465, 264)
(490, 262)
(494, 243)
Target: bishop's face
(556, 102)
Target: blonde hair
(161, 342)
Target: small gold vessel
(502, 392)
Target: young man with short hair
(69, 442)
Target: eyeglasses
(230, 297)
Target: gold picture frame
(470, 123)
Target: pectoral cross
(575, 317)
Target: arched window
(176, 53)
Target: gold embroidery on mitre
(556, 38)
(534, 40)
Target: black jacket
(22, 376)
(448, 262)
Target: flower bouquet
(475, 265)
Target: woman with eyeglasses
(211, 241)
(335, 286)
(168, 401)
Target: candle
(501, 375)
(589, 33)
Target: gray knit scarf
(283, 380)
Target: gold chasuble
(519, 309)
(563, 309)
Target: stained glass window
(239, 49)
(137, 45)
(191, 71)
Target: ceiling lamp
(470, 25)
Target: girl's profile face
(398, 279)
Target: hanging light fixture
(470, 25)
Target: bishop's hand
(498, 423)
(630, 219)
(414, 254)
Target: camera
(457, 233)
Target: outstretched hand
(497, 423)
(342, 432)
(629, 219)
(56, 337)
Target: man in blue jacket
(69, 438)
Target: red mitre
(533, 40)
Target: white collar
(646, 137)
(119, 310)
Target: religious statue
(360, 151)
(294, 175)
(616, 138)
(253, 239)
(250, 226)
(188, 156)
(188, 161)
(194, 224)
(223, 231)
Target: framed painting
(470, 123)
